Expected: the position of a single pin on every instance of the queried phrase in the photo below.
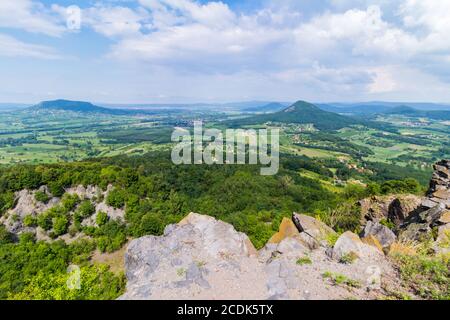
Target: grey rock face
(203, 258)
(198, 258)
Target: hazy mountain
(368, 108)
(301, 112)
(270, 107)
(356, 110)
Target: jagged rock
(428, 204)
(402, 207)
(394, 208)
(416, 232)
(90, 192)
(372, 241)
(349, 243)
(445, 217)
(375, 208)
(382, 233)
(314, 228)
(442, 243)
(419, 226)
(287, 229)
(440, 182)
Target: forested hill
(302, 112)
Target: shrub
(304, 260)
(116, 198)
(41, 196)
(85, 209)
(29, 221)
(60, 225)
(45, 221)
(102, 218)
(27, 237)
(5, 235)
(348, 258)
(340, 279)
(69, 201)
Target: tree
(116, 198)
(102, 218)
(86, 209)
(60, 225)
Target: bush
(27, 237)
(116, 198)
(41, 196)
(85, 209)
(69, 202)
(5, 235)
(60, 225)
(45, 221)
(30, 221)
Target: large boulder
(383, 234)
(199, 258)
(312, 227)
(287, 229)
(350, 244)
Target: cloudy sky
(158, 51)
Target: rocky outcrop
(433, 214)
(27, 205)
(203, 258)
(393, 208)
(439, 191)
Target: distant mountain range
(368, 108)
(270, 107)
(301, 112)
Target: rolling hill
(301, 112)
(79, 107)
(415, 113)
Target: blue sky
(162, 51)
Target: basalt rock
(383, 234)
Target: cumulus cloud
(30, 16)
(324, 46)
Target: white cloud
(114, 21)
(30, 16)
(11, 47)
